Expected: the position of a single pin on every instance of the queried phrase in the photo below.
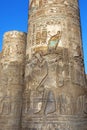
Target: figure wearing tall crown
(54, 41)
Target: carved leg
(1, 107)
(44, 102)
(57, 103)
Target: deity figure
(53, 41)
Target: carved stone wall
(44, 88)
(47, 17)
(55, 94)
(12, 80)
(14, 46)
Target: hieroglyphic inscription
(54, 95)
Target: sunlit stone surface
(42, 81)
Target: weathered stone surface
(46, 89)
(14, 44)
(12, 80)
(55, 92)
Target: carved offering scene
(43, 85)
(49, 93)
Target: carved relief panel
(54, 95)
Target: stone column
(55, 96)
(12, 80)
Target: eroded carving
(5, 102)
(53, 41)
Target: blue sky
(83, 14)
(14, 15)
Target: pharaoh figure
(54, 87)
(49, 86)
(35, 67)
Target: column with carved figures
(55, 96)
(12, 80)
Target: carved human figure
(5, 103)
(85, 105)
(32, 70)
(53, 41)
(26, 97)
(49, 85)
(60, 78)
(44, 36)
(2, 98)
(1, 103)
(66, 104)
(78, 72)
